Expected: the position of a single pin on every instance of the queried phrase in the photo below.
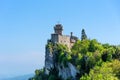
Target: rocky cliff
(86, 60)
(65, 69)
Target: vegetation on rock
(95, 61)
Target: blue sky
(25, 26)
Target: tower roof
(58, 27)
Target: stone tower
(58, 29)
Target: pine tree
(83, 35)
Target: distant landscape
(24, 77)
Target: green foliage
(108, 71)
(60, 48)
(107, 55)
(106, 45)
(39, 75)
(76, 48)
(95, 61)
(80, 47)
(92, 46)
(84, 46)
(83, 35)
(37, 72)
(116, 55)
(64, 55)
(49, 45)
(116, 68)
(52, 77)
(91, 54)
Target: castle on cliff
(58, 37)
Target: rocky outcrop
(48, 60)
(64, 72)
(67, 72)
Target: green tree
(92, 46)
(116, 55)
(83, 35)
(107, 55)
(76, 48)
(52, 77)
(107, 71)
(38, 72)
(116, 68)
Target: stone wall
(63, 39)
(54, 38)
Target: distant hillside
(24, 77)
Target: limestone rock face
(48, 60)
(65, 72)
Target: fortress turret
(58, 29)
(58, 37)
